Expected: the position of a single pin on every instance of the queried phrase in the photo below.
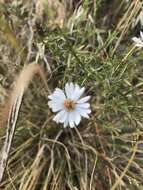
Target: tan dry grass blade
(29, 180)
(13, 106)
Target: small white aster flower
(70, 105)
(138, 41)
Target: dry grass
(12, 107)
(83, 41)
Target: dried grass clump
(11, 110)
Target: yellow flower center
(69, 105)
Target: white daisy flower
(138, 41)
(69, 105)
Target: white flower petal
(50, 104)
(50, 96)
(69, 88)
(76, 91)
(83, 105)
(77, 119)
(56, 109)
(55, 106)
(83, 112)
(83, 100)
(79, 94)
(58, 94)
(71, 119)
(64, 117)
(66, 121)
(59, 116)
(57, 100)
(141, 35)
(137, 41)
(139, 45)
